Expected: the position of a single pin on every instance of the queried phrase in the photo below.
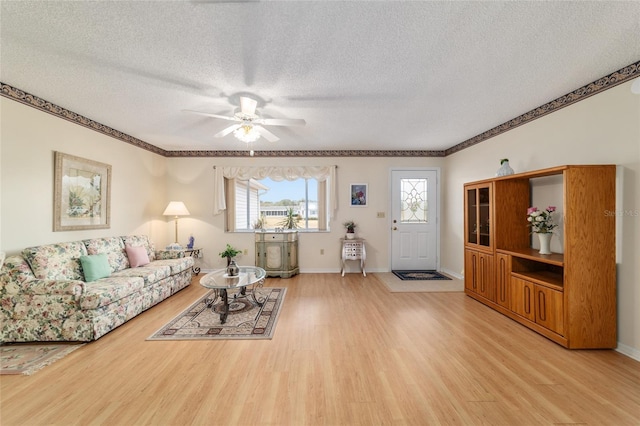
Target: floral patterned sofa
(44, 295)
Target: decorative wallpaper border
(618, 77)
(38, 103)
(607, 82)
(322, 153)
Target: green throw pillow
(95, 266)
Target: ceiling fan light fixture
(246, 133)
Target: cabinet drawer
(352, 245)
(276, 236)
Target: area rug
(420, 275)
(396, 285)
(246, 319)
(27, 358)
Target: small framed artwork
(359, 195)
(82, 194)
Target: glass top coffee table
(221, 283)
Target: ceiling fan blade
(208, 114)
(266, 134)
(248, 105)
(225, 132)
(281, 121)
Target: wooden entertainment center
(568, 297)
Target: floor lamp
(176, 208)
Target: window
(273, 201)
(271, 193)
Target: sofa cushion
(176, 265)
(151, 273)
(137, 256)
(113, 247)
(109, 290)
(141, 240)
(56, 261)
(95, 266)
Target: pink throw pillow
(137, 256)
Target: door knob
(395, 228)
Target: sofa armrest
(169, 254)
(47, 287)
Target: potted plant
(290, 221)
(505, 169)
(229, 253)
(259, 224)
(351, 229)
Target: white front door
(414, 219)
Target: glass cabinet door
(472, 210)
(478, 215)
(484, 217)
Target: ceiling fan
(249, 127)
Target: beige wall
(28, 141)
(603, 129)
(192, 178)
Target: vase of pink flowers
(541, 223)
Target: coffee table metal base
(223, 295)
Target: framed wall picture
(82, 194)
(359, 195)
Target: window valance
(277, 173)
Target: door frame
(390, 206)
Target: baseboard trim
(628, 351)
(452, 273)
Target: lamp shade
(176, 208)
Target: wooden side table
(353, 250)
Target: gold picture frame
(82, 194)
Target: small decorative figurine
(191, 240)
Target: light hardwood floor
(346, 351)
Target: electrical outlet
(321, 251)
(246, 252)
(380, 215)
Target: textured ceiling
(364, 75)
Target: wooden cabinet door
(549, 309)
(471, 270)
(260, 259)
(293, 255)
(274, 256)
(486, 276)
(503, 275)
(522, 298)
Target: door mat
(246, 319)
(420, 275)
(27, 358)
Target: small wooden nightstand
(353, 250)
(195, 253)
